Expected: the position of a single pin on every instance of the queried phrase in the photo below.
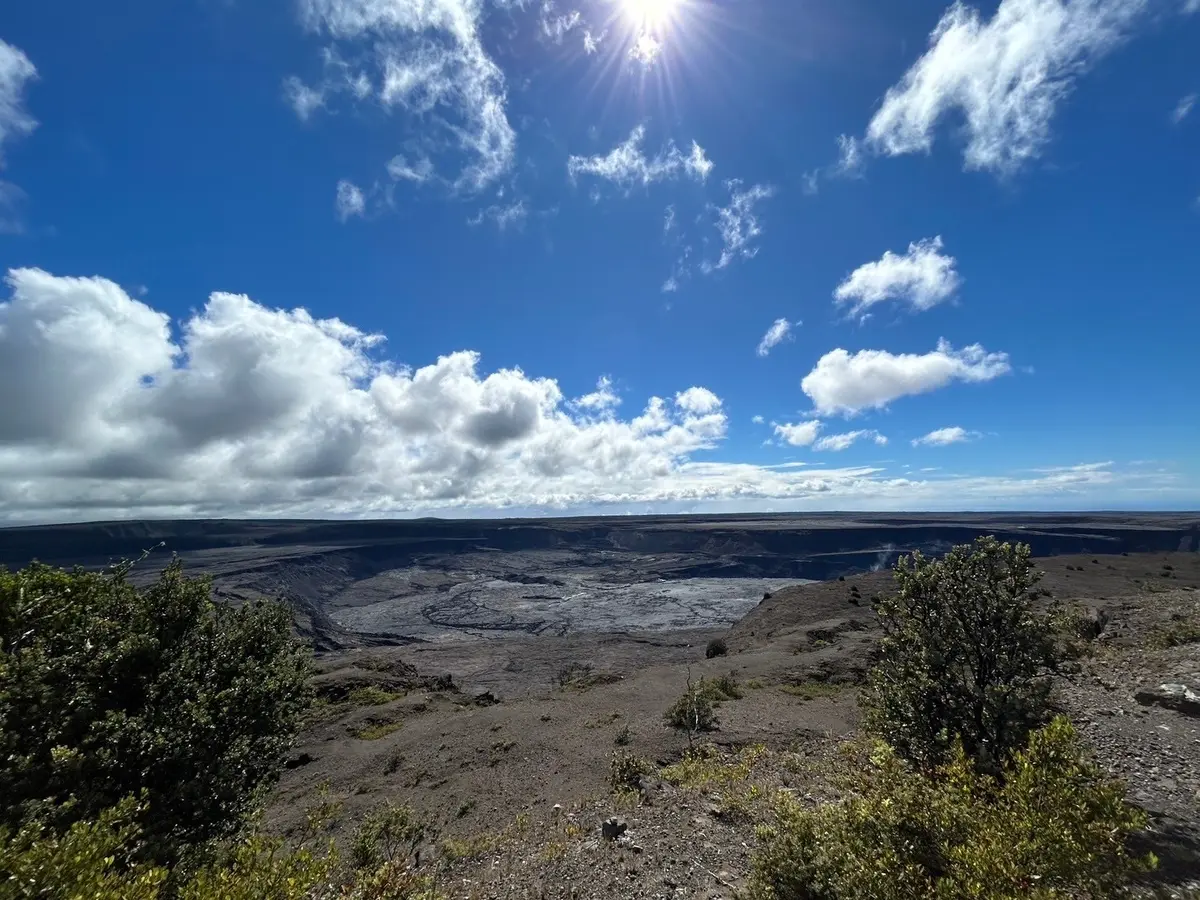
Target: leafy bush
(962, 655)
(1053, 826)
(92, 859)
(625, 771)
(98, 860)
(107, 691)
(389, 834)
(716, 647)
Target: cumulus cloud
(942, 436)
(846, 383)
(1184, 107)
(112, 410)
(798, 434)
(779, 331)
(349, 200)
(923, 277)
(839, 442)
(16, 71)
(1006, 76)
(738, 222)
(430, 63)
(626, 164)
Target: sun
(651, 15)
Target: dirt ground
(505, 746)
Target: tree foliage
(1053, 826)
(109, 692)
(963, 655)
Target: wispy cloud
(554, 25)
(1184, 107)
(626, 164)
(504, 215)
(922, 278)
(738, 222)
(419, 170)
(16, 71)
(428, 58)
(349, 200)
(779, 331)
(1006, 76)
(846, 383)
(944, 436)
(839, 442)
(592, 40)
(646, 49)
(304, 100)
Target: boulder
(613, 828)
(1178, 697)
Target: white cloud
(592, 41)
(303, 99)
(838, 442)
(698, 400)
(851, 160)
(779, 331)
(511, 215)
(627, 165)
(669, 219)
(846, 383)
(110, 410)
(1184, 107)
(601, 400)
(419, 171)
(16, 71)
(758, 420)
(671, 285)
(798, 434)
(432, 64)
(923, 277)
(738, 222)
(555, 26)
(349, 200)
(1006, 76)
(943, 436)
(646, 49)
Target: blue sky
(477, 257)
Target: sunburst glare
(652, 16)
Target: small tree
(107, 692)
(962, 655)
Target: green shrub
(107, 691)
(716, 647)
(92, 859)
(389, 834)
(962, 656)
(1054, 826)
(692, 713)
(625, 771)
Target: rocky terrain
(485, 674)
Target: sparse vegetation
(811, 690)
(963, 656)
(1052, 826)
(390, 833)
(624, 737)
(372, 696)
(375, 731)
(625, 770)
(694, 712)
(1178, 633)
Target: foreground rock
(1178, 697)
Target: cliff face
(800, 546)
